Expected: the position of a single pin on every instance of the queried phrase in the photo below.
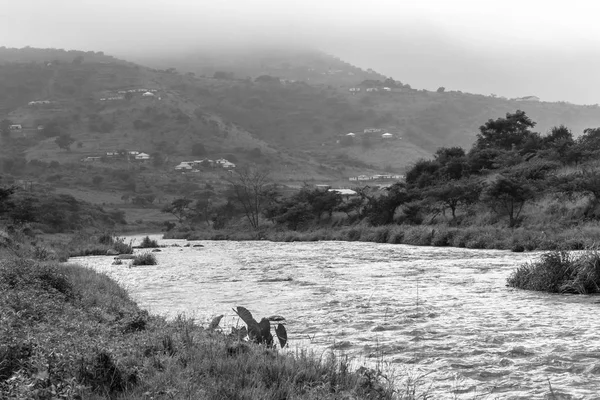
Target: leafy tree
(505, 133)
(380, 210)
(423, 173)
(5, 127)
(179, 208)
(507, 195)
(441, 89)
(64, 141)
(6, 203)
(454, 194)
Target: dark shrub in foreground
(560, 272)
(145, 259)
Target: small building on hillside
(148, 94)
(142, 157)
(351, 134)
(91, 159)
(15, 127)
(387, 136)
(345, 193)
(183, 166)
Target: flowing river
(440, 315)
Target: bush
(148, 243)
(145, 259)
(560, 272)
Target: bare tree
(252, 189)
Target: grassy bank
(69, 332)
(472, 237)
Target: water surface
(441, 312)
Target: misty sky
(511, 48)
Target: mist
(509, 48)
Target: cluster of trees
(507, 167)
(53, 213)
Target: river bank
(71, 332)
(471, 237)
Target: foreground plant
(260, 332)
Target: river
(442, 314)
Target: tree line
(508, 167)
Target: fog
(511, 48)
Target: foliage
(148, 243)
(560, 272)
(260, 332)
(507, 195)
(144, 259)
(506, 133)
(64, 141)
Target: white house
(344, 192)
(183, 166)
(350, 134)
(16, 127)
(387, 89)
(148, 94)
(228, 165)
(387, 136)
(133, 153)
(142, 156)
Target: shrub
(560, 272)
(148, 243)
(145, 259)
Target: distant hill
(290, 111)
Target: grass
(560, 272)
(145, 259)
(70, 332)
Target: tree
(252, 190)
(380, 210)
(441, 89)
(454, 194)
(505, 133)
(507, 195)
(64, 141)
(5, 127)
(179, 208)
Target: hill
(287, 111)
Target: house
(363, 178)
(354, 89)
(350, 134)
(353, 178)
(142, 157)
(323, 187)
(16, 127)
(183, 166)
(372, 130)
(527, 98)
(346, 193)
(387, 89)
(133, 153)
(112, 153)
(148, 94)
(91, 159)
(387, 136)
(228, 165)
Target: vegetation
(144, 259)
(70, 332)
(148, 243)
(560, 272)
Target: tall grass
(70, 332)
(560, 272)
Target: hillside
(287, 111)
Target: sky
(511, 48)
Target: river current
(442, 315)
